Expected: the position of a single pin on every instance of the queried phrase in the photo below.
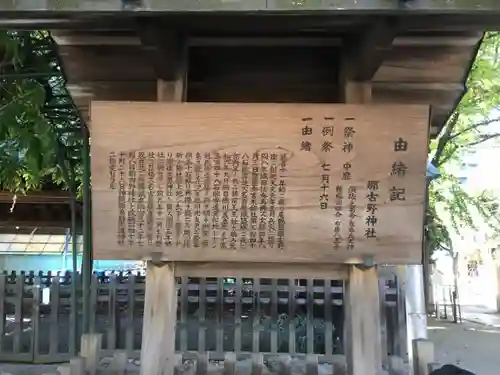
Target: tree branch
(443, 140)
(449, 155)
(482, 139)
(475, 126)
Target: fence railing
(41, 315)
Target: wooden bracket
(156, 259)
(164, 48)
(368, 262)
(365, 53)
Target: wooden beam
(95, 40)
(365, 54)
(264, 41)
(261, 269)
(10, 225)
(35, 214)
(56, 197)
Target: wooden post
(363, 348)
(160, 305)
(160, 313)
(362, 307)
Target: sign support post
(362, 312)
(160, 303)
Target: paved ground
(481, 315)
(472, 346)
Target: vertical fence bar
(383, 317)
(36, 290)
(18, 314)
(219, 333)
(274, 316)
(310, 316)
(113, 325)
(328, 317)
(401, 312)
(73, 314)
(54, 315)
(184, 314)
(256, 316)
(3, 300)
(94, 292)
(202, 300)
(129, 338)
(291, 317)
(74, 266)
(238, 301)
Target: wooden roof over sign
(419, 61)
(414, 51)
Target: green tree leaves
(40, 142)
(466, 128)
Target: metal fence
(41, 315)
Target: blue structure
(47, 252)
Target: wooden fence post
(230, 364)
(119, 364)
(91, 344)
(202, 364)
(285, 365)
(257, 364)
(77, 366)
(312, 365)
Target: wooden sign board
(284, 183)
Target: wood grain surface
(312, 183)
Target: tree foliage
(40, 138)
(467, 128)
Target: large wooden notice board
(285, 183)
